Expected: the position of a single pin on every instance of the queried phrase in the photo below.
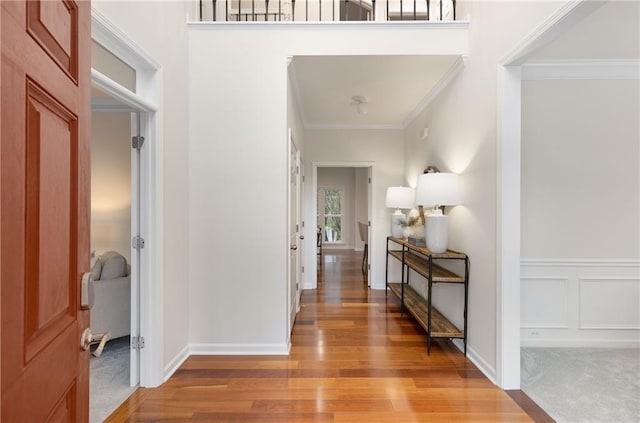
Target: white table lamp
(399, 198)
(436, 190)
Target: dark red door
(44, 200)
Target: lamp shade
(400, 197)
(437, 189)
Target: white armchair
(111, 311)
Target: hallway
(354, 358)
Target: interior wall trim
(446, 79)
(238, 349)
(566, 262)
(580, 303)
(581, 69)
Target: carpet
(109, 379)
(583, 384)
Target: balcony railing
(326, 10)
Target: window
(330, 209)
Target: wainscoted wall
(580, 303)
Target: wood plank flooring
(354, 358)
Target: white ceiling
(395, 87)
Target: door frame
(146, 99)
(509, 125)
(311, 260)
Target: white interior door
(294, 231)
(301, 225)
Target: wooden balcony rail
(326, 10)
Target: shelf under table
(441, 327)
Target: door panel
(293, 232)
(44, 205)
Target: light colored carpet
(109, 379)
(583, 384)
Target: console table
(425, 263)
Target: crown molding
(580, 69)
(565, 17)
(354, 127)
(293, 77)
(453, 71)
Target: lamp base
(397, 220)
(437, 229)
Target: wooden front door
(44, 209)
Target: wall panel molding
(601, 299)
(535, 290)
(612, 304)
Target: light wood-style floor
(354, 358)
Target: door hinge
(297, 286)
(137, 242)
(137, 342)
(297, 170)
(302, 178)
(302, 269)
(368, 223)
(369, 180)
(137, 142)
(297, 229)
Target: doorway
(342, 201)
(115, 198)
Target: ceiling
(395, 87)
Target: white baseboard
(580, 343)
(238, 349)
(330, 247)
(175, 364)
(476, 359)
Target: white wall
(580, 169)
(382, 148)
(158, 27)
(462, 138)
(580, 208)
(345, 178)
(111, 183)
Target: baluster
(428, 10)
(226, 10)
(201, 11)
(213, 4)
(306, 10)
(333, 13)
(279, 11)
(293, 10)
(388, 9)
(360, 12)
(453, 4)
(319, 10)
(401, 18)
(239, 10)
(253, 10)
(266, 10)
(373, 5)
(346, 10)
(440, 9)
(414, 10)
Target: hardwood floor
(354, 358)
